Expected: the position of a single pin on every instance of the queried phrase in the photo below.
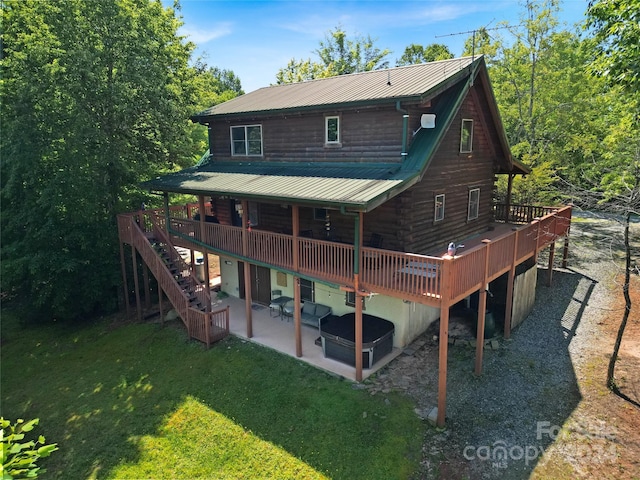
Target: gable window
(332, 130)
(439, 208)
(466, 136)
(246, 140)
(474, 203)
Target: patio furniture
(423, 269)
(278, 302)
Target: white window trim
(435, 212)
(477, 212)
(246, 141)
(466, 121)
(326, 130)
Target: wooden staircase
(190, 298)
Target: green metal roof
(354, 186)
(411, 82)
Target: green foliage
(616, 24)
(339, 55)
(19, 457)
(97, 96)
(418, 54)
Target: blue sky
(256, 38)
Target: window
(332, 130)
(439, 208)
(350, 300)
(246, 140)
(466, 137)
(306, 290)
(474, 202)
(320, 214)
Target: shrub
(19, 457)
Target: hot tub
(338, 338)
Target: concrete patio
(279, 334)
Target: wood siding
(367, 135)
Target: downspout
(166, 212)
(405, 126)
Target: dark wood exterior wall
(367, 135)
(453, 174)
(406, 222)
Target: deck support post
(136, 283)
(160, 305)
(565, 250)
(125, 284)
(510, 284)
(205, 255)
(482, 309)
(295, 224)
(297, 321)
(147, 287)
(443, 342)
(247, 267)
(552, 251)
(358, 228)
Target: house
(346, 192)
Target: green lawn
(140, 401)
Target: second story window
(246, 140)
(332, 130)
(466, 137)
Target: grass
(140, 401)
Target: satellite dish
(428, 120)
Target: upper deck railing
(409, 276)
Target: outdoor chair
(274, 305)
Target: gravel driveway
(499, 424)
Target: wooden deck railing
(399, 274)
(205, 326)
(520, 213)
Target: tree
(96, 98)
(616, 26)
(617, 59)
(338, 55)
(418, 54)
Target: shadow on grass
(111, 398)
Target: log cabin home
(346, 192)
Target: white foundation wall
(410, 319)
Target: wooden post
(125, 284)
(160, 305)
(295, 223)
(297, 321)
(510, 283)
(552, 250)
(205, 255)
(147, 287)
(358, 299)
(136, 284)
(443, 342)
(565, 250)
(509, 188)
(482, 309)
(247, 268)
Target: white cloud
(200, 35)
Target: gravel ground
(499, 424)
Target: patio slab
(279, 334)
